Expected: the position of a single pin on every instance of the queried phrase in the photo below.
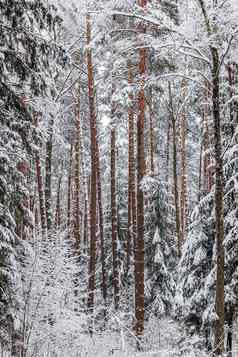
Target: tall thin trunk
(207, 163)
(139, 246)
(200, 165)
(152, 140)
(183, 187)
(114, 218)
(231, 78)
(69, 189)
(219, 206)
(168, 153)
(230, 321)
(40, 186)
(219, 187)
(93, 189)
(131, 227)
(86, 196)
(85, 225)
(48, 174)
(175, 177)
(58, 204)
(77, 173)
(36, 220)
(101, 226)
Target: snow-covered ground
(163, 338)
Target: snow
(163, 338)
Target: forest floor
(164, 338)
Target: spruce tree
(25, 56)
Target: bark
(40, 186)
(36, 222)
(101, 227)
(69, 190)
(229, 320)
(93, 188)
(183, 187)
(207, 161)
(139, 244)
(85, 225)
(200, 167)
(131, 227)
(114, 218)
(208, 167)
(58, 205)
(219, 207)
(168, 153)
(152, 140)
(48, 174)
(231, 78)
(175, 177)
(77, 173)
(86, 200)
(219, 187)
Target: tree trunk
(77, 173)
(58, 206)
(201, 163)
(219, 206)
(101, 226)
(69, 190)
(231, 78)
(114, 217)
(183, 187)
(229, 319)
(85, 225)
(168, 154)
(139, 244)
(175, 177)
(152, 140)
(93, 189)
(40, 186)
(219, 187)
(131, 227)
(208, 165)
(48, 169)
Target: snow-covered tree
(25, 53)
